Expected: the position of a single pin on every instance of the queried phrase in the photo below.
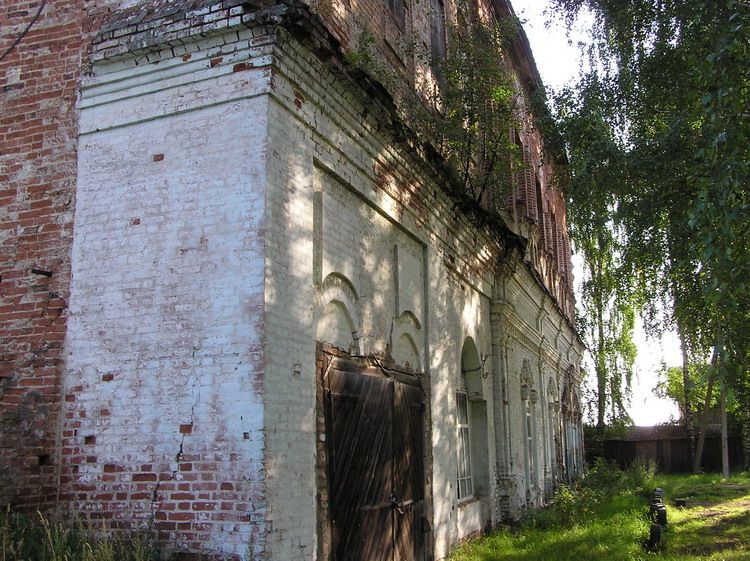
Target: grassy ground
(37, 538)
(715, 525)
(607, 520)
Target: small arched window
(464, 481)
(529, 397)
(471, 426)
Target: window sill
(468, 501)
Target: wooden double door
(375, 448)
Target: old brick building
(224, 267)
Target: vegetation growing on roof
(467, 109)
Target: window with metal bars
(464, 485)
(437, 38)
(530, 442)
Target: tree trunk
(746, 434)
(704, 424)
(724, 435)
(704, 418)
(601, 366)
(688, 388)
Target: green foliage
(469, 116)
(571, 506)
(713, 528)
(363, 56)
(581, 502)
(610, 299)
(607, 478)
(704, 487)
(46, 539)
(657, 135)
(671, 386)
(715, 523)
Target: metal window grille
(530, 443)
(464, 483)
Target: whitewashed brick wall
(375, 202)
(165, 363)
(222, 186)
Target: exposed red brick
(144, 477)
(240, 66)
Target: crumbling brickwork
(196, 193)
(39, 76)
(64, 434)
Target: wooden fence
(668, 447)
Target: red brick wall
(38, 126)
(37, 177)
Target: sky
(557, 57)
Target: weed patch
(44, 539)
(605, 518)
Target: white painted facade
(237, 202)
(165, 343)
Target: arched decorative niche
(405, 353)
(571, 404)
(527, 382)
(337, 318)
(541, 317)
(472, 370)
(552, 395)
(405, 350)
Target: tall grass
(44, 539)
(605, 518)
(605, 491)
(602, 517)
